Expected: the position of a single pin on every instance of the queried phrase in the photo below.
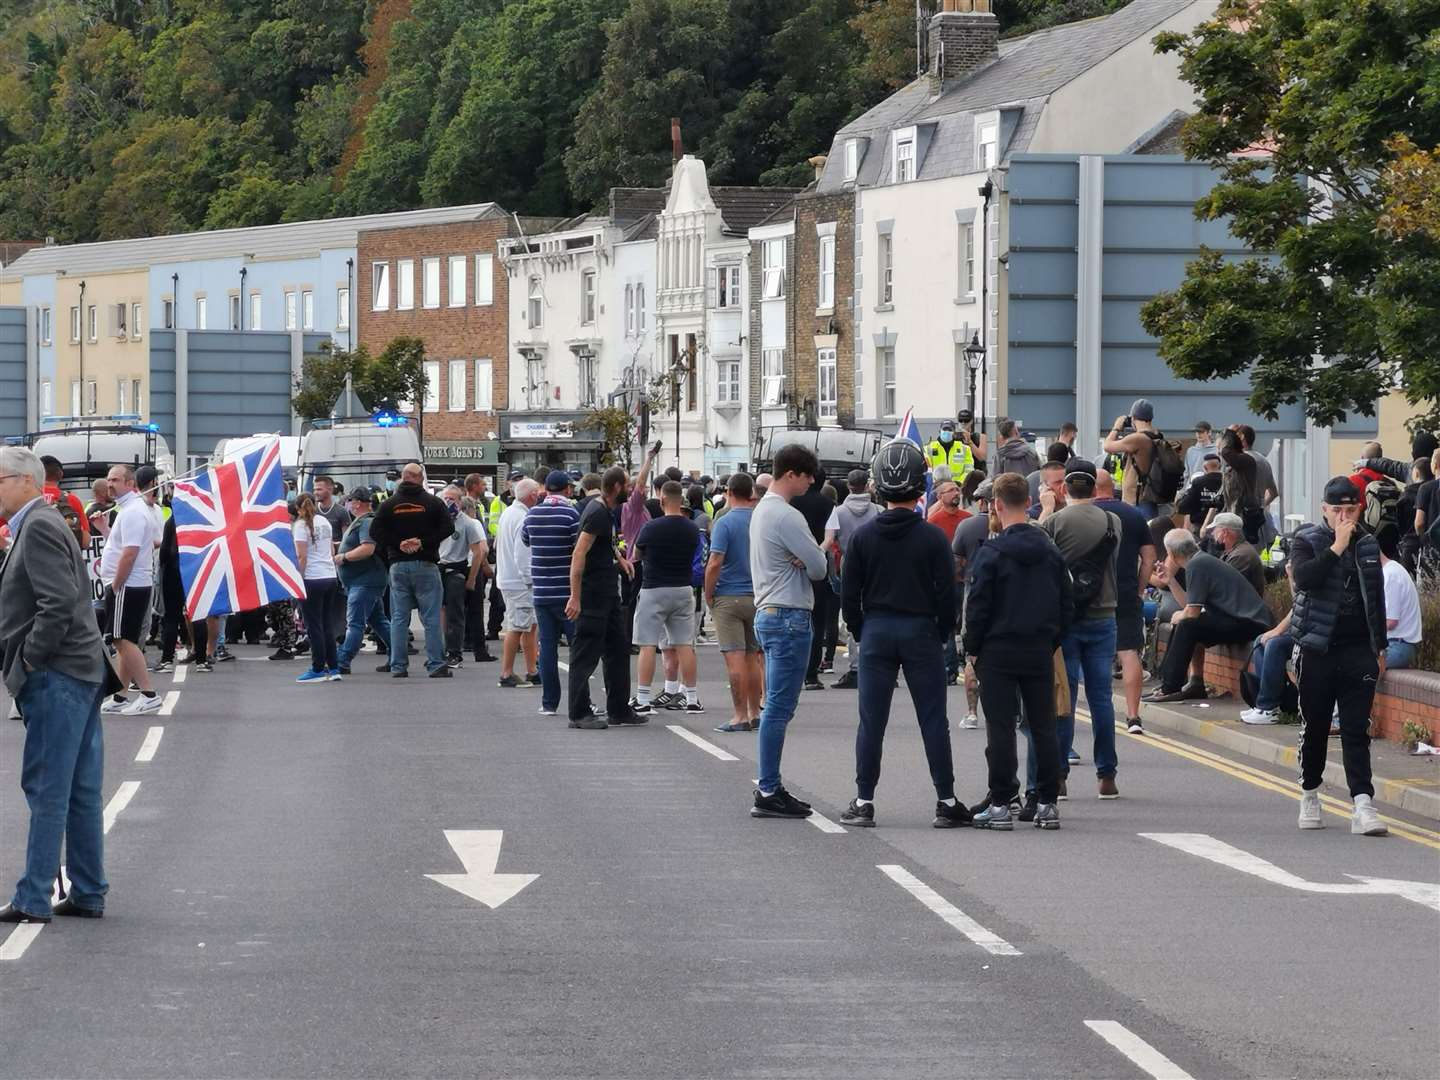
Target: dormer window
(852, 158)
(987, 144)
(905, 156)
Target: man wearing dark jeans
(1017, 611)
(409, 527)
(594, 607)
(899, 603)
(461, 559)
(363, 577)
(1219, 606)
(550, 531)
(815, 506)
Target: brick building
(824, 272)
(441, 283)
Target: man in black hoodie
(1017, 608)
(816, 507)
(899, 602)
(409, 528)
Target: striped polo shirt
(550, 530)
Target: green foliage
(380, 382)
(618, 429)
(322, 380)
(1325, 87)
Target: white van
(357, 452)
(87, 450)
(230, 449)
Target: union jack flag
(233, 529)
(909, 429)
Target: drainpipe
(84, 326)
(987, 191)
(175, 301)
(349, 302)
(243, 272)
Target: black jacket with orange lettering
(411, 513)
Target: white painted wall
(727, 433)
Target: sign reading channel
(542, 429)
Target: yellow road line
(1262, 779)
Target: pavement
(272, 911)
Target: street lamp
(974, 357)
(678, 370)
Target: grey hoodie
(855, 511)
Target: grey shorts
(519, 609)
(735, 624)
(665, 615)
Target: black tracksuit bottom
(889, 644)
(1008, 679)
(599, 633)
(1345, 675)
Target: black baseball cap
(558, 480)
(947, 425)
(516, 475)
(1142, 409)
(965, 416)
(359, 494)
(1341, 492)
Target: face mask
(947, 436)
(454, 510)
(390, 485)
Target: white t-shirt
(134, 528)
(319, 551)
(1402, 602)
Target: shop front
(555, 439)
(446, 460)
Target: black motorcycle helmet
(899, 471)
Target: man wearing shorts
(1134, 559)
(512, 570)
(127, 569)
(666, 608)
(731, 595)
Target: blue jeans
(784, 635)
(415, 585)
(363, 606)
(1272, 672)
(552, 624)
(1090, 651)
(1399, 654)
(61, 773)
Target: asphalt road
(270, 913)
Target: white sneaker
(1365, 820)
(1311, 816)
(1258, 716)
(112, 705)
(141, 705)
(970, 723)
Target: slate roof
(742, 208)
(1029, 69)
(629, 205)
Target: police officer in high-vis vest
(947, 449)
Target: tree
(322, 380)
(1412, 190)
(1330, 310)
(394, 377)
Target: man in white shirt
(512, 572)
(1402, 611)
(127, 569)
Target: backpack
(1381, 516)
(1167, 468)
(72, 520)
(1087, 575)
(1250, 683)
(697, 564)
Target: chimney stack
(964, 37)
(677, 148)
(818, 164)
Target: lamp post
(684, 360)
(974, 357)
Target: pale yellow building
(1393, 438)
(102, 358)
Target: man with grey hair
(1228, 532)
(51, 657)
(1219, 607)
(512, 570)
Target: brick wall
(460, 333)
(810, 211)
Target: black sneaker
(510, 682)
(1134, 726)
(455, 661)
(951, 817)
(383, 668)
(590, 723)
(162, 667)
(344, 669)
(861, 815)
(646, 709)
(694, 708)
(779, 805)
(827, 668)
(204, 665)
(222, 655)
(814, 684)
(282, 654)
(675, 703)
(442, 672)
(402, 673)
(981, 806)
(485, 658)
(630, 719)
(848, 681)
(1027, 813)
(534, 680)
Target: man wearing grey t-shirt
(784, 560)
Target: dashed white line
(181, 673)
(19, 940)
(709, 747)
(1141, 1053)
(150, 745)
(167, 707)
(988, 940)
(823, 823)
(121, 799)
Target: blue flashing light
(385, 418)
(152, 426)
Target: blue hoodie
(1019, 597)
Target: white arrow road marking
(150, 745)
(704, 744)
(19, 940)
(479, 852)
(121, 799)
(1217, 851)
(1138, 1050)
(987, 939)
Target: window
(75, 323)
(725, 287)
(342, 308)
(728, 388)
(430, 282)
(455, 391)
(74, 397)
(829, 385)
(136, 312)
(587, 297)
(887, 268)
(380, 287)
(852, 158)
(887, 382)
(629, 310)
(235, 312)
(484, 280)
(45, 328)
(640, 309)
(456, 272)
(92, 323)
(167, 314)
(585, 363)
(967, 259)
(255, 312)
(537, 303)
(692, 376)
(92, 397)
(482, 386)
(47, 398)
(135, 396)
(904, 160)
(827, 272)
(987, 145)
(772, 376)
(117, 314)
(774, 269)
(534, 382)
(432, 386)
(307, 310)
(405, 285)
(122, 395)
(290, 311)
(201, 313)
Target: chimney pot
(818, 164)
(677, 148)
